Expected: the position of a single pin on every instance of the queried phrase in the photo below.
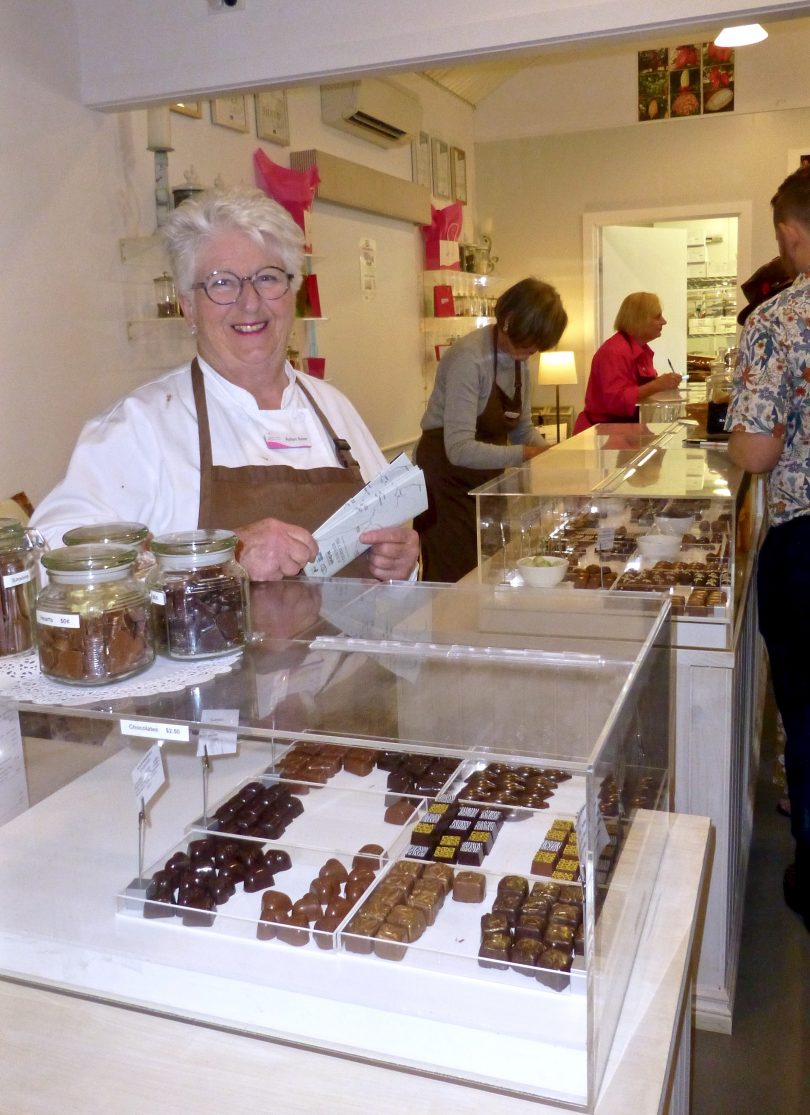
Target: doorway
(596, 326)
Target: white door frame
(592, 224)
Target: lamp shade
(743, 35)
(556, 368)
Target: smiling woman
(238, 440)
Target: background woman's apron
(234, 497)
(447, 530)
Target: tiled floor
(763, 1067)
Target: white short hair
(242, 208)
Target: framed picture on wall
(458, 174)
(188, 108)
(230, 112)
(421, 172)
(440, 154)
(272, 122)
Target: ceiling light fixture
(744, 35)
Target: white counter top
(66, 1053)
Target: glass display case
(632, 509)
(415, 824)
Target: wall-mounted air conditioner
(374, 109)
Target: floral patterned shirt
(771, 393)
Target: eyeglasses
(225, 288)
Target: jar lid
(102, 562)
(124, 533)
(195, 543)
(12, 532)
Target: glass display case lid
(439, 668)
(619, 463)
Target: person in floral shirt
(769, 424)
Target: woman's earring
(194, 330)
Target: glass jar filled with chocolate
(199, 594)
(18, 588)
(135, 535)
(93, 618)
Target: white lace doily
(22, 680)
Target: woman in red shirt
(622, 371)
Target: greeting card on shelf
(308, 302)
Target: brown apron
(232, 497)
(447, 530)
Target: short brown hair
(532, 314)
(635, 311)
(792, 200)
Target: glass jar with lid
(134, 535)
(18, 588)
(199, 594)
(93, 617)
(718, 395)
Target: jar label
(11, 580)
(58, 619)
(157, 596)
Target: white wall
(538, 190)
(81, 180)
(574, 92)
(63, 350)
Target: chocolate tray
(450, 945)
(338, 822)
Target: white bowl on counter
(661, 547)
(545, 575)
(675, 524)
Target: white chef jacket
(139, 461)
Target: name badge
(292, 434)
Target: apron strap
(203, 427)
(516, 402)
(343, 451)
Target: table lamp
(556, 368)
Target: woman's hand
(270, 549)
(393, 554)
(530, 451)
(667, 382)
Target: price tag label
(604, 538)
(149, 775)
(218, 740)
(152, 729)
(58, 619)
(12, 580)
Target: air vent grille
(379, 127)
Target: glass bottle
(93, 617)
(18, 588)
(134, 535)
(718, 396)
(199, 594)
(166, 296)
